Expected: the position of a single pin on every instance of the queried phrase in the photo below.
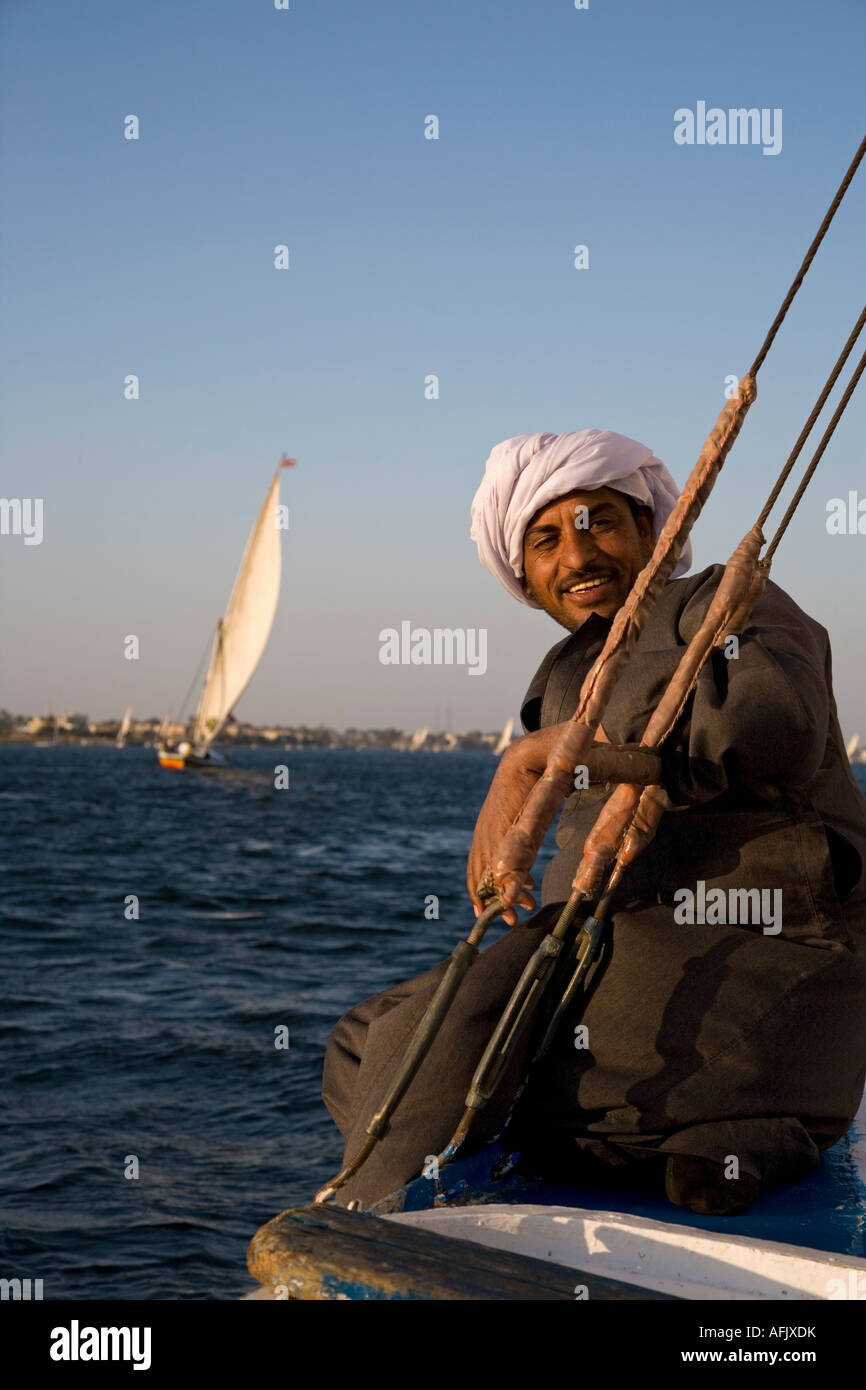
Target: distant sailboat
(124, 727)
(504, 738)
(855, 750)
(241, 636)
(418, 739)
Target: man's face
(573, 570)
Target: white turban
(526, 473)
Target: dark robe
(702, 1038)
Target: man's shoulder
(574, 651)
(675, 619)
(692, 595)
(530, 707)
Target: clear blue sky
(408, 257)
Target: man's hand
(519, 769)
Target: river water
(153, 1039)
(147, 1044)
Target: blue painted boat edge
(825, 1211)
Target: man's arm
(519, 769)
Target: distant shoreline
(359, 740)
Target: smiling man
(717, 1053)
(582, 553)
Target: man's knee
(342, 1063)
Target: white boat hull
(686, 1260)
(655, 1255)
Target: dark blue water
(155, 1038)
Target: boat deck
(825, 1211)
(800, 1242)
(803, 1241)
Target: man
(722, 1049)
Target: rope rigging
(809, 257)
(629, 818)
(813, 415)
(194, 683)
(828, 433)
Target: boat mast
(200, 735)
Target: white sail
(124, 727)
(243, 633)
(504, 738)
(852, 746)
(418, 739)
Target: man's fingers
(517, 897)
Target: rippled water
(155, 1037)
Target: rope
(525, 997)
(194, 682)
(828, 434)
(807, 428)
(809, 257)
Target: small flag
(287, 462)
